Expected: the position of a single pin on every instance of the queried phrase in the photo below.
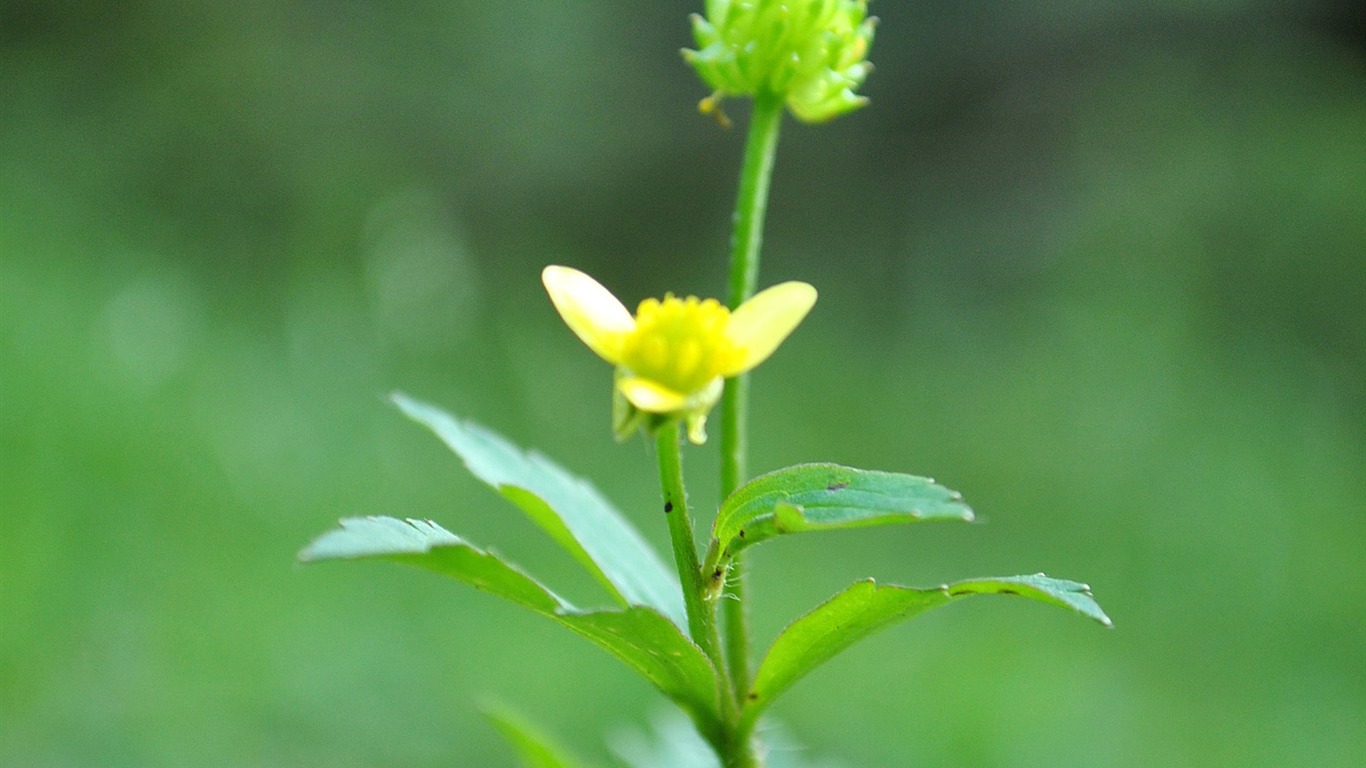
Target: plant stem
(701, 613)
(746, 239)
(752, 198)
(733, 743)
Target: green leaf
(564, 506)
(655, 648)
(639, 636)
(427, 545)
(535, 748)
(811, 497)
(865, 608)
(670, 741)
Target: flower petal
(591, 311)
(759, 325)
(651, 396)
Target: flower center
(680, 343)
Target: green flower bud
(809, 52)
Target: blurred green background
(1099, 265)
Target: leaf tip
(312, 552)
(356, 537)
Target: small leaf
(1060, 592)
(564, 506)
(865, 608)
(639, 636)
(427, 545)
(535, 748)
(810, 497)
(670, 742)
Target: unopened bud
(812, 53)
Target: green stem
(750, 206)
(734, 742)
(701, 612)
(752, 199)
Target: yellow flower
(673, 354)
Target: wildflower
(809, 52)
(673, 354)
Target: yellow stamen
(679, 343)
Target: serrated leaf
(809, 497)
(639, 636)
(567, 507)
(426, 545)
(535, 748)
(865, 608)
